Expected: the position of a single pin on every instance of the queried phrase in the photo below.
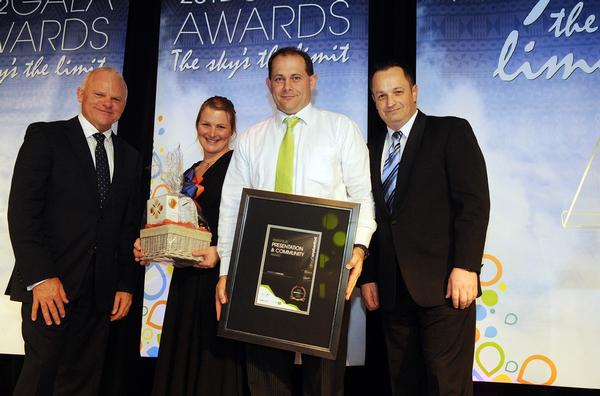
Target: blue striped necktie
(390, 170)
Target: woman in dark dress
(192, 360)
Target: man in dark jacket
(432, 207)
(72, 217)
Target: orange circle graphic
(149, 321)
(498, 265)
(545, 359)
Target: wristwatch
(363, 248)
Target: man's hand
(462, 287)
(137, 252)
(355, 266)
(121, 305)
(51, 298)
(221, 295)
(370, 295)
(207, 257)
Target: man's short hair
(105, 69)
(287, 51)
(388, 64)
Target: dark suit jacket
(55, 220)
(440, 212)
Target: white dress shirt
(331, 161)
(88, 131)
(403, 139)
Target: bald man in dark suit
(73, 216)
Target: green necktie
(284, 175)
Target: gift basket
(175, 226)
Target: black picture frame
(300, 243)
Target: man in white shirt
(330, 160)
(73, 214)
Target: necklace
(203, 167)
(206, 164)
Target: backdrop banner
(46, 47)
(222, 49)
(525, 74)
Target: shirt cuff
(363, 236)
(224, 264)
(30, 287)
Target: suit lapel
(81, 150)
(408, 158)
(119, 164)
(376, 154)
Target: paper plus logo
(156, 209)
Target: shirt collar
(405, 128)
(305, 115)
(89, 129)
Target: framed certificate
(287, 276)
(287, 269)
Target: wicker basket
(173, 242)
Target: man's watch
(363, 248)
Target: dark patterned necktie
(390, 170)
(102, 170)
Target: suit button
(92, 250)
(394, 222)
